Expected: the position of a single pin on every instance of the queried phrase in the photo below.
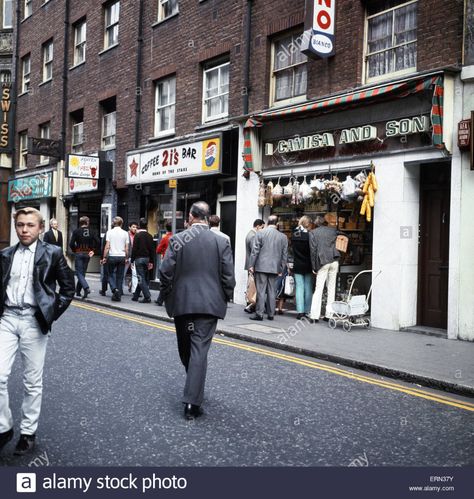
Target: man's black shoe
(192, 411)
(103, 293)
(5, 437)
(145, 300)
(256, 317)
(25, 445)
(78, 293)
(313, 321)
(249, 309)
(270, 317)
(87, 292)
(134, 298)
(115, 295)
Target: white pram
(352, 312)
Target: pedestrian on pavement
(197, 280)
(258, 224)
(104, 273)
(214, 222)
(143, 254)
(116, 253)
(267, 260)
(29, 304)
(132, 230)
(53, 235)
(83, 244)
(325, 265)
(160, 251)
(302, 267)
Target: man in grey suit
(196, 280)
(259, 224)
(267, 260)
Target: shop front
(367, 163)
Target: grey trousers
(266, 293)
(194, 334)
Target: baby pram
(352, 312)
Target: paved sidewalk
(426, 360)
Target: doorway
(435, 184)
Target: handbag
(289, 286)
(341, 243)
(251, 292)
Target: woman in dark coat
(302, 267)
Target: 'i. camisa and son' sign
(320, 22)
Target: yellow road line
(296, 360)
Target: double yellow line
(295, 360)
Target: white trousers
(20, 330)
(327, 273)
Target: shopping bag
(251, 293)
(341, 243)
(289, 286)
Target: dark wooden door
(434, 246)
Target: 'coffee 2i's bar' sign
(319, 28)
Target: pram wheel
(347, 326)
(332, 323)
(367, 324)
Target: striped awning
(397, 90)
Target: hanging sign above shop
(185, 160)
(75, 185)
(320, 21)
(45, 147)
(464, 134)
(79, 166)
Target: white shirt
(118, 239)
(219, 233)
(20, 292)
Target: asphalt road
(112, 392)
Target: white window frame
(169, 80)
(386, 76)
(106, 135)
(77, 132)
(23, 148)
(162, 10)
(109, 28)
(48, 49)
(5, 3)
(218, 67)
(28, 8)
(80, 44)
(25, 73)
(273, 79)
(45, 133)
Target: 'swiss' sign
(320, 21)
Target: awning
(397, 90)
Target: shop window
(45, 133)
(23, 141)
(7, 14)
(165, 106)
(25, 73)
(108, 123)
(112, 14)
(28, 8)
(80, 29)
(48, 60)
(391, 39)
(77, 132)
(289, 71)
(167, 8)
(216, 92)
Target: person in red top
(165, 240)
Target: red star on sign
(133, 168)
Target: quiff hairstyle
(29, 211)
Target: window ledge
(26, 18)
(24, 93)
(109, 48)
(210, 124)
(288, 102)
(108, 148)
(158, 23)
(45, 82)
(162, 135)
(77, 65)
(389, 76)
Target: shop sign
(172, 183)
(75, 185)
(185, 160)
(6, 120)
(44, 147)
(169, 214)
(320, 22)
(79, 166)
(464, 134)
(31, 187)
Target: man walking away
(267, 260)
(53, 235)
(116, 254)
(197, 280)
(83, 244)
(259, 224)
(132, 230)
(214, 222)
(143, 253)
(29, 304)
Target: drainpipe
(248, 47)
(138, 90)
(15, 83)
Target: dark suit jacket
(50, 268)
(322, 243)
(269, 251)
(248, 247)
(197, 273)
(49, 238)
